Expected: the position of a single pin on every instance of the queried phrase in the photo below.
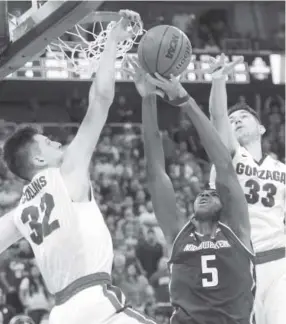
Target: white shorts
(270, 303)
(99, 304)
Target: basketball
(165, 49)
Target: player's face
(245, 126)
(207, 205)
(49, 153)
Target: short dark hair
(16, 151)
(246, 108)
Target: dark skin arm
(163, 197)
(235, 209)
(159, 183)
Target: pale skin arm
(75, 166)
(9, 233)
(218, 102)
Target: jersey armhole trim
(175, 240)
(238, 239)
(237, 153)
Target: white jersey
(70, 240)
(264, 187)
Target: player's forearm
(153, 146)
(103, 86)
(219, 114)
(102, 90)
(209, 137)
(101, 94)
(218, 100)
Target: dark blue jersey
(212, 278)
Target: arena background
(39, 93)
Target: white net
(84, 51)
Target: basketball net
(83, 55)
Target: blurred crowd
(212, 27)
(118, 176)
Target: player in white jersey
(58, 215)
(263, 181)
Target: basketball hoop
(82, 54)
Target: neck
(204, 228)
(255, 149)
(35, 172)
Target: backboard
(37, 27)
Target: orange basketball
(165, 49)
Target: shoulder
(276, 164)
(51, 172)
(241, 154)
(185, 231)
(235, 240)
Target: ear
(262, 130)
(39, 161)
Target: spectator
(119, 264)
(150, 301)
(25, 250)
(34, 295)
(6, 310)
(21, 319)
(148, 220)
(104, 165)
(134, 284)
(11, 274)
(149, 251)
(160, 281)
(105, 147)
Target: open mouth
(203, 202)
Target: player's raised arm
(9, 232)
(235, 209)
(159, 183)
(79, 152)
(218, 101)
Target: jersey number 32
(31, 215)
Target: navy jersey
(212, 278)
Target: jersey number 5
(31, 215)
(209, 272)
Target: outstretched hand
(172, 88)
(139, 76)
(122, 30)
(147, 84)
(220, 69)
